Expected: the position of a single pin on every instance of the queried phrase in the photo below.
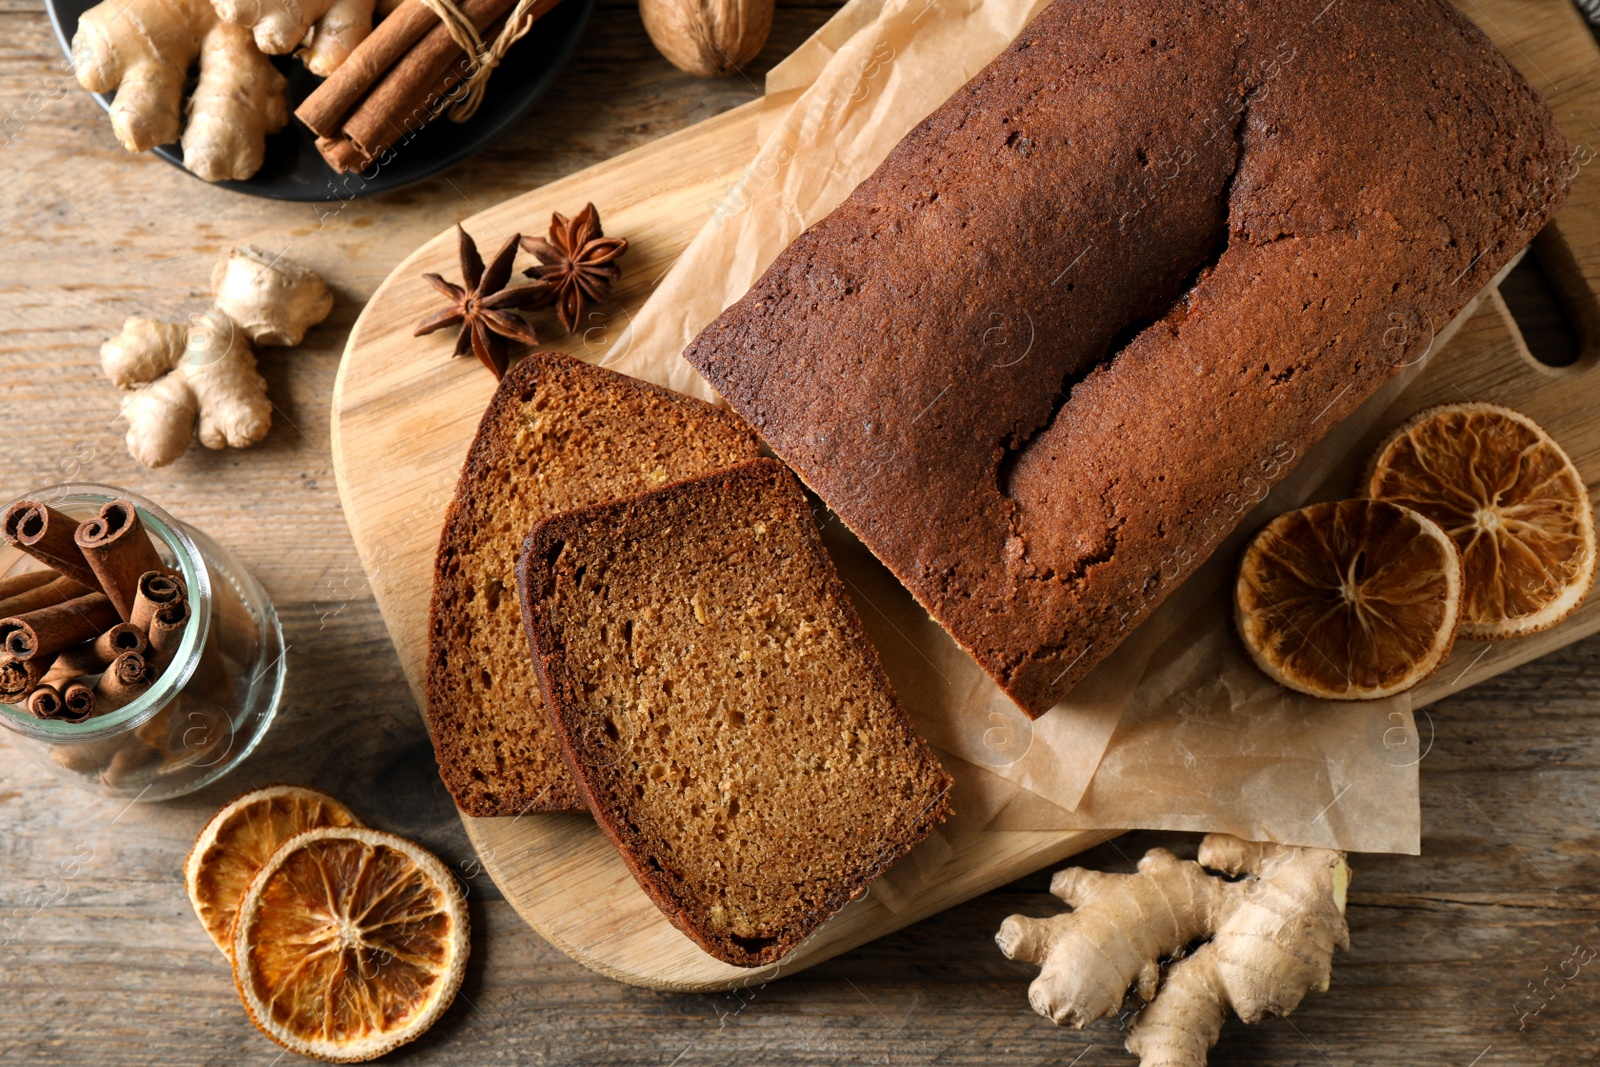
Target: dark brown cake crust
(1082, 317)
(617, 635)
(606, 435)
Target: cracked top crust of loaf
(1081, 318)
(558, 434)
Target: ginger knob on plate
(707, 38)
(143, 50)
(325, 31)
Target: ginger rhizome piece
(144, 49)
(329, 29)
(1271, 937)
(201, 376)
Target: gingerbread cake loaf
(1081, 318)
(559, 434)
(724, 714)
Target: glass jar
(212, 702)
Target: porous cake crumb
(559, 434)
(724, 714)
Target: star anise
(483, 306)
(578, 262)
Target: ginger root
(201, 376)
(143, 50)
(1271, 939)
(329, 29)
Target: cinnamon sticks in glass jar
(70, 648)
(152, 670)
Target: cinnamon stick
(119, 551)
(120, 640)
(91, 657)
(127, 676)
(212, 682)
(128, 761)
(13, 584)
(45, 703)
(20, 677)
(196, 735)
(48, 536)
(81, 758)
(157, 730)
(341, 155)
(79, 701)
(46, 631)
(156, 589)
(390, 40)
(167, 626)
(74, 662)
(55, 590)
(408, 97)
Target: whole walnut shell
(707, 37)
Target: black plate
(294, 170)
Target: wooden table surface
(1467, 955)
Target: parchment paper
(1175, 730)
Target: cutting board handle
(1575, 282)
(1568, 249)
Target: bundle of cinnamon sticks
(397, 81)
(91, 631)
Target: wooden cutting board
(403, 417)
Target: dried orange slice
(238, 840)
(349, 942)
(1351, 600)
(1512, 501)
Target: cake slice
(559, 434)
(723, 713)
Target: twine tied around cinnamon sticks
(421, 57)
(488, 57)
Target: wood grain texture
(101, 961)
(400, 437)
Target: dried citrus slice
(238, 840)
(349, 942)
(1512, 501)
(1350, 600)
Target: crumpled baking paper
(1175, 730)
